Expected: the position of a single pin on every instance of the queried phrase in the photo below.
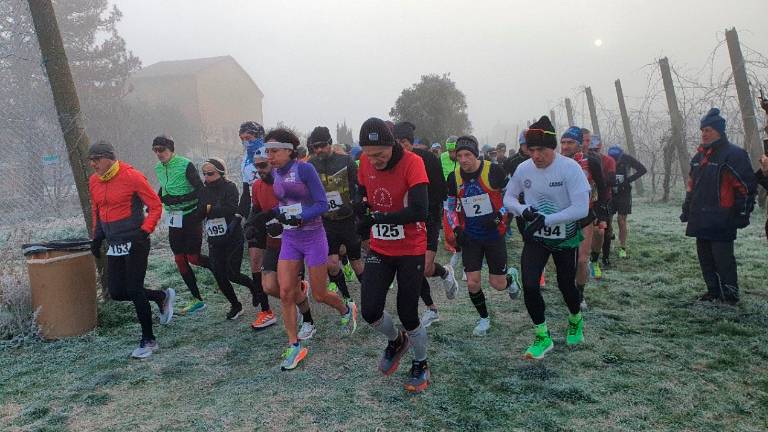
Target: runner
(556, 199)
(179, 186)
(223, 225)
(261, 223)
(302, 201)
(338, 173)
(621, 203)
(118, 196)
(448, 163)
(479, 220)
(393, 186)
(437, 191)
(720, 196)
(599, 234)
(571, 145)
(252, 137)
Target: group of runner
(307, 223)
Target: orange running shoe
(264, 319)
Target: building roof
(188, 67)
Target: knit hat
(374, 132)
(450, 143)
(541, 134)
(320, 134)
(467, 142)
(436, 146)
(574, 133)
(252, 128)
(615, 152)
(260, 153)
(101, 149)
(404, 130)
(163, 141)
(595, 143)
(714, 120)
(218, 165)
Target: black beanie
(467, 142)
(320, 134)
(374, 132)
(252, 128)
(101, 149)
(163, 141)
(404, 130)
(541, 134)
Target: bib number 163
(388, 232)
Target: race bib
(334, 200)
(174, 219)
(554, 232)
(290, 210)
(121, 249)
(478, 205)
(216, 227)
(388, 232)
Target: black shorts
(189, 238)
(622, 204)
(433, 234)
(269, 260)
(260, 241)
(343, 232)
(494, 251)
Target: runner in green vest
(179, 187)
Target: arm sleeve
(637, 166)
(511, 201)
(578, 194)
(415, 211)
(244, 207)
(438, 187)
(308, 175)
(150, 199)
(193, 178)
(98, 233)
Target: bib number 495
(388, 232)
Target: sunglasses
(209, 173)
(262, 165)
(159, 149)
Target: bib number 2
(388, 232)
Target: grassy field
(654, 360)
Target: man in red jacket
(119, 194)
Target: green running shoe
(349, 274)
(541, 345)
(292, 356)
(575, 333)
(597, 272)
(332, 287)
(192, 307)
(623, 253)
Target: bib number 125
(388, 232)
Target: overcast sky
(324, 61)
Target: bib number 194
(554, 232)
(388, 232)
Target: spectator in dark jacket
(721, 196)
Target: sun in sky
(598, 42)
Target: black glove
(96, 247)
(361, 208)
(686, 207)
(532, 227)
(274, 229)
(251, 230)
(458, 233)
(291, 221)
(530, 214)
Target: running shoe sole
(170, 297)
(236, 316)
(296, 360)
(420, 387)
(530, 356)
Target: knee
(499, 284)
(473, 286)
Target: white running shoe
(482, 327)
(145, 349)
(170, 298)
(306, 331)
(449, 284)
(429, 316)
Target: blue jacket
(721, 192)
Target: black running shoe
(418, 377)
(393, 352)
(235, 311)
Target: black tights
(532, 262)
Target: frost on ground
(654, 359)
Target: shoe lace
(288, 351)
(541, 339)
(417, 369)
(391, 349)
(573, 327)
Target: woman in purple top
(302, 202)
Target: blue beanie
(615, 152)
(574, 133)
(355, 152)
(714, 120)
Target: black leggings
(426, 295)
(226, 257)
(126, 283)
(532, 262)
(380, 271)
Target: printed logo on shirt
(527, 183)
(382, 197)
(556, 184)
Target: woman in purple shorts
(302, 202)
